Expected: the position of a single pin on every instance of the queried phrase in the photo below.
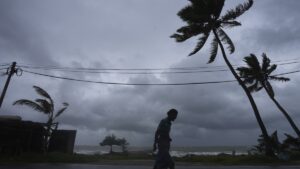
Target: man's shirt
(163, 130)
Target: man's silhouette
(163, 140)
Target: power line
(164, 72)
(287, 73)
(142, 69)
(113, 69)
(145, 72)
(144, 84)
(130, 84)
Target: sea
(174, 152)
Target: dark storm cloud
(135, 34)
(276, 25)
(20, 39)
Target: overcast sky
(136, 34)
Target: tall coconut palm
(44, 105)
(257, 77)
(203, 18)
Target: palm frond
(282, 79)
(189, 31)
(252, 88)
(213, 50)
(195, 13)
(269, 89)
(259, 88)
(200, 44)
(249, 80)
(45, 104)
(271, 69)
(180, 37)
(193, 29)
(201, 10)
(65, 104)
(35, 106)
(59, 112)
(43, 93)
(230, 24)
(225, 38)
(252, 62)
(238, 11)
(244, 71)
(265, 63)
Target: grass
(145, 159)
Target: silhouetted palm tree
(203, 18)
(44, 105)
(257, 77)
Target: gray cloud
(135, 34)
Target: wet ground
(91, 166)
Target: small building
(62, 141)
(17, 136)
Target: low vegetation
(147, 159)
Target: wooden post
(11, 72)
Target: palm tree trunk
(269, 151)
(285, 113)
(48, 134)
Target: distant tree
(203, 18)
(258, 77)
(275, 144)
(110, 141)
(44, 105)
(123, 143)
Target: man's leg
(171, 163)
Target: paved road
(86, 166)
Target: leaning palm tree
(257, 77)
(44, 105)
(203, 18)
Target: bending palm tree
(257, 77)
(203, 18)
(44, 105)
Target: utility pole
(10, 72)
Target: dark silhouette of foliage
(112, 140)
(44, 105)
(203, 18)
(124, 144)
(257, 76)
(284, 151)
(291, 143)
(275, 144)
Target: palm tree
(257, 77)
(203, 18)
(44, 105)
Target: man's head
(172, 114)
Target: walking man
(163, 140)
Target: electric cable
(143, 84)
(130, 84)
(143, 69)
